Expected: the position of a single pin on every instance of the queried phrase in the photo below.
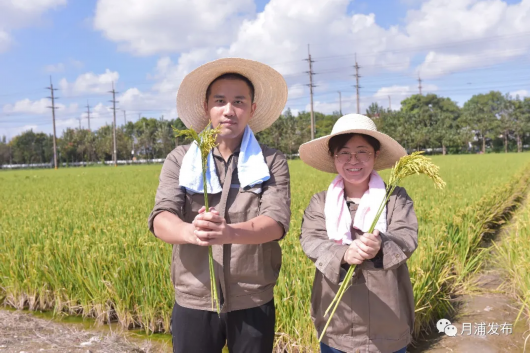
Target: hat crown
(353, 122)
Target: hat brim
(316, 152)
(270, 92)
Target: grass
(512, 255)
(76, 241)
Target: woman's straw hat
(270, 92)
(316, 152)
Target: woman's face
(355, 168)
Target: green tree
(375, 111)
(436, 121)
(482, 113)
(520, 119)
(5, 151)
(30, 147)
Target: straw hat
(270, 92)
(316, 152)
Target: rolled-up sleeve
(401, 238)
(324, 252)
(169, 196)
(276, 197)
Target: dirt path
(22, 332)
(476, 321)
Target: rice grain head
(415, 163)
(206, 140)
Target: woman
(376, 313)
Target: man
(245, 221)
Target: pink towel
(338, 217)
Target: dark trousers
(243, 331)
(327, 349)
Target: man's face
(229, 106)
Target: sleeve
(169, 196)
(324, 252)
(401, 238)
(276, 198)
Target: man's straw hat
(270, 92)
(316, 152)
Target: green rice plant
(206, 141)
(512, 256)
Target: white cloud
(5, 41)
(404, 91)
(161, 26)
(90, 83)
(284, 29)
(11, 132)
(54, 68)
(76, 63)
(489, 31)
(468, 33)
(297, 91)
(157, 104)
(445, 35)
(521, 93)
(349, 102)
(26, 106)
(170, 74)
(61, 67)
(21, 13)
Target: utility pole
(113, 101)
(357, 67)
(88, 114)
(124, 117)
(79, 122)
(311, 92)
(340, 103)
(389, 103)
(53, 107)
(419, 83)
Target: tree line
(492, 122)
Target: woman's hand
(363, 248)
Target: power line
(88, 114)
(113, 101)
(311, 91)
(52, 107)
(419, 83)
(357, 67)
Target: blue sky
(458, 47)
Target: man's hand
(211, 228)
(363, 248)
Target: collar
(217, 154)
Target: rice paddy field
(76, 241)
(512, 255)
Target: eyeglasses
(361, 156)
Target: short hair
(232, 76)
(339, 141)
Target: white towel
(252, 169)
(338, 217)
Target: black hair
(339, 141)
(232, 76)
